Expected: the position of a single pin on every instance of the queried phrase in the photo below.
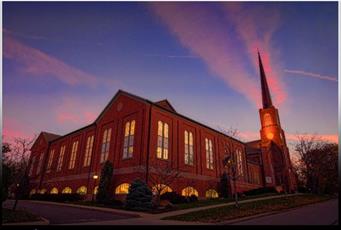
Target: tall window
(239, 162)
(73, 155)
(88, 151)
(188, 148)
(162, 140)
(32, 165)
(40, 163)
(129, 132)
(61, 157)
(49, 163)
(105, 145)
(209, 153)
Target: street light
(95, 177)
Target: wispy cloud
(202, 31)
(37, 63)
(310, 74)
(172, 56)
(255, 26)
(208, 37)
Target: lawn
(10, 216)
(202, 203)
(224, 213)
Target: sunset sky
(63, 62)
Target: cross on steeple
(266, 97)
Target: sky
(63, 62)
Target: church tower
(275, 153)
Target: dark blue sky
(64, 61)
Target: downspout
(148, 142)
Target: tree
(317, 165)
(7, 171)
(224, 185)
(139, 196)
(162, 175)
(104, 193)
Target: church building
(144, 139)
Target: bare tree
(161, 175)
(20, 156)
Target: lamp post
(95, 177)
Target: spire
(266, 97)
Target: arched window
(88, 150)
(162, 188)
(82, 190)
(105, 145)
(54, 190)
(239, 156)
(33, 191)
(43, 191)
(189, 191)
(73, 155)
(209, 153)
(162, 140)
(95, 190)
(67, 190)
(122, 188)
(128, 146)
(211, 193)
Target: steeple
(266, 97)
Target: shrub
(62, 197)
(139, 196)
(224, 185)
(174, 198)
(104, 193)
(193, 198)
(259, 191)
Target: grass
(202, 203)
(10, 216)
(224, 213)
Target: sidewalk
(154, 219)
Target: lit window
(61, 157)
(54, 191)
(188, 148)
(82, 190)
(49, 164)
(32, 165)
(105, 145)
(209, 153)
(239, 162)
(33, 191)
(211, 193)
(88, 151)
(161, 188)
(67, 190)
(95, 190)
(189, 191)
(162, 141)
(43, 191)
(73, 155)
(128, 147)
(40, 163)
(122, 188)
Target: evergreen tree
(139, 196)
(224, 185)
(104, 187)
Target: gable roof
(50, 136)
(157, 104)
(165, 104)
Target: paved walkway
(108, 216)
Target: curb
(114, 211)
(43, 221)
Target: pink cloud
(207, 37)
(255, 26)
(310, 74)
(37, 63)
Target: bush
(139, 196)
(259, 191)
(193, 198)
(224, 186)
(104, 193)
(173, 197)
(62, 197)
